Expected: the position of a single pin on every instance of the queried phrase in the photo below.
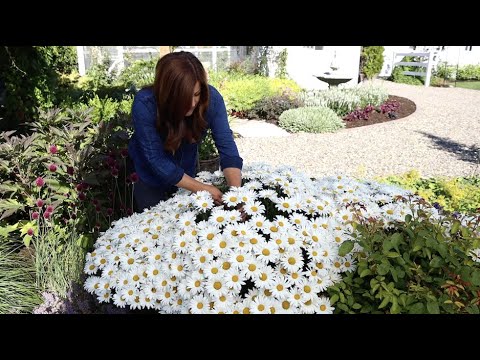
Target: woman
(169, 119)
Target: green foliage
(281, 71)
(445, 71)
(371, 60)
(469, 72)
(207, 149)
(242, 93)
(31, 80)
(139, 74)
(18, 293)
(344, 101)
(457, 194)
(310, 119)
(398, 76)
(421, 265)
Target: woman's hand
(216, 194)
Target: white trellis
(426, 63)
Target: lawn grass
(475, 85)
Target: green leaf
(393, 271)
(392, 254)
(394, 309)
(333, 299)
(366, 272)
(408, 218)
(345, 248)
(476, 278)
(385, 302)
(417, 308)
(11, 206)
(4, 231)
(432, 307)
(436, 262)
(355, 306)
(383, 269)
(26, 240)
(455, 227)
(397, 239)
(418, 244)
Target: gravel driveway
(438, 139)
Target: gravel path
(438, 139)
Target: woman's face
(195, 98)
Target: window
(318, 47)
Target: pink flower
(40, 203)
(53, 149)
(39, 182)
(52, 167)
(35, 215)
(49, 209)
(30, 232)
(47, 215)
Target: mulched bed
(407, 107)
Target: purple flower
(30, 232)
(49, 209)
(53, 149)
(109, 211)
(134, 177)
(69, 170)
(40, 203)
(35, 215)
(124, 153)
(39, 181)
(47, 215)
(52, 167)
(82, 196)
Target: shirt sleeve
(150, 144)
(222, 134)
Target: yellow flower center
(210, 236)
(214, 270)
(291, 241)
(202, 259)
(261, 307)
(273, 229)
(217, 285)
(199, 305)
(279, 287)
(254, 208)
(263, 277)
(286, 305)
(197, 283)
(291, 261)
(307, 289)
(155, 272)
(240, 258)
(252, 267)
(223, 244)
(265, 252)
(226, 265)
(130, 261)
(220, 219)
(323, 307)
(158, 257)
(235, 278)
(286, 205)
(258, 224)
(253, 241)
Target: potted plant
(208, 157)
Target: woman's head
(181, 90)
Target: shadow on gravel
(461, 151)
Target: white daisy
(260, 305)
(232, 197)
(199, 304)
(254, 208)
(280, 287)
(292, 260)
(284, 204)
(119, 300)
(216, 287)
(323, 306)
(234, 279)
(265, 279)
(259, 222)
(207, 235)
(267, 252)
(195, 282)
(187, 219)
(213, 269)
(129, 293)
(295, 296)
(90, 268)
(91, 284)
(218, 217)
(309, 306)
(298, 219)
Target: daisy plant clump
(186, 255)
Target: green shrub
(398, 76)
(344, 101)
(445, 71)
(371, 60)
(458, 194)
(422, 265)
(311, 120)
(18, 293)
(469, 72)
(140, 73)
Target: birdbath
(333, 79)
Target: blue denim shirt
(159, 168)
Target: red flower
(35, 215)
(49, 209)
(47, 215)
(52, 167)
(39, 182)
(40, 203)
(53, 149)
(30, 232)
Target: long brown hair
(175, 77)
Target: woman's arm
(230, 161)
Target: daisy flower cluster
(186, 255)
